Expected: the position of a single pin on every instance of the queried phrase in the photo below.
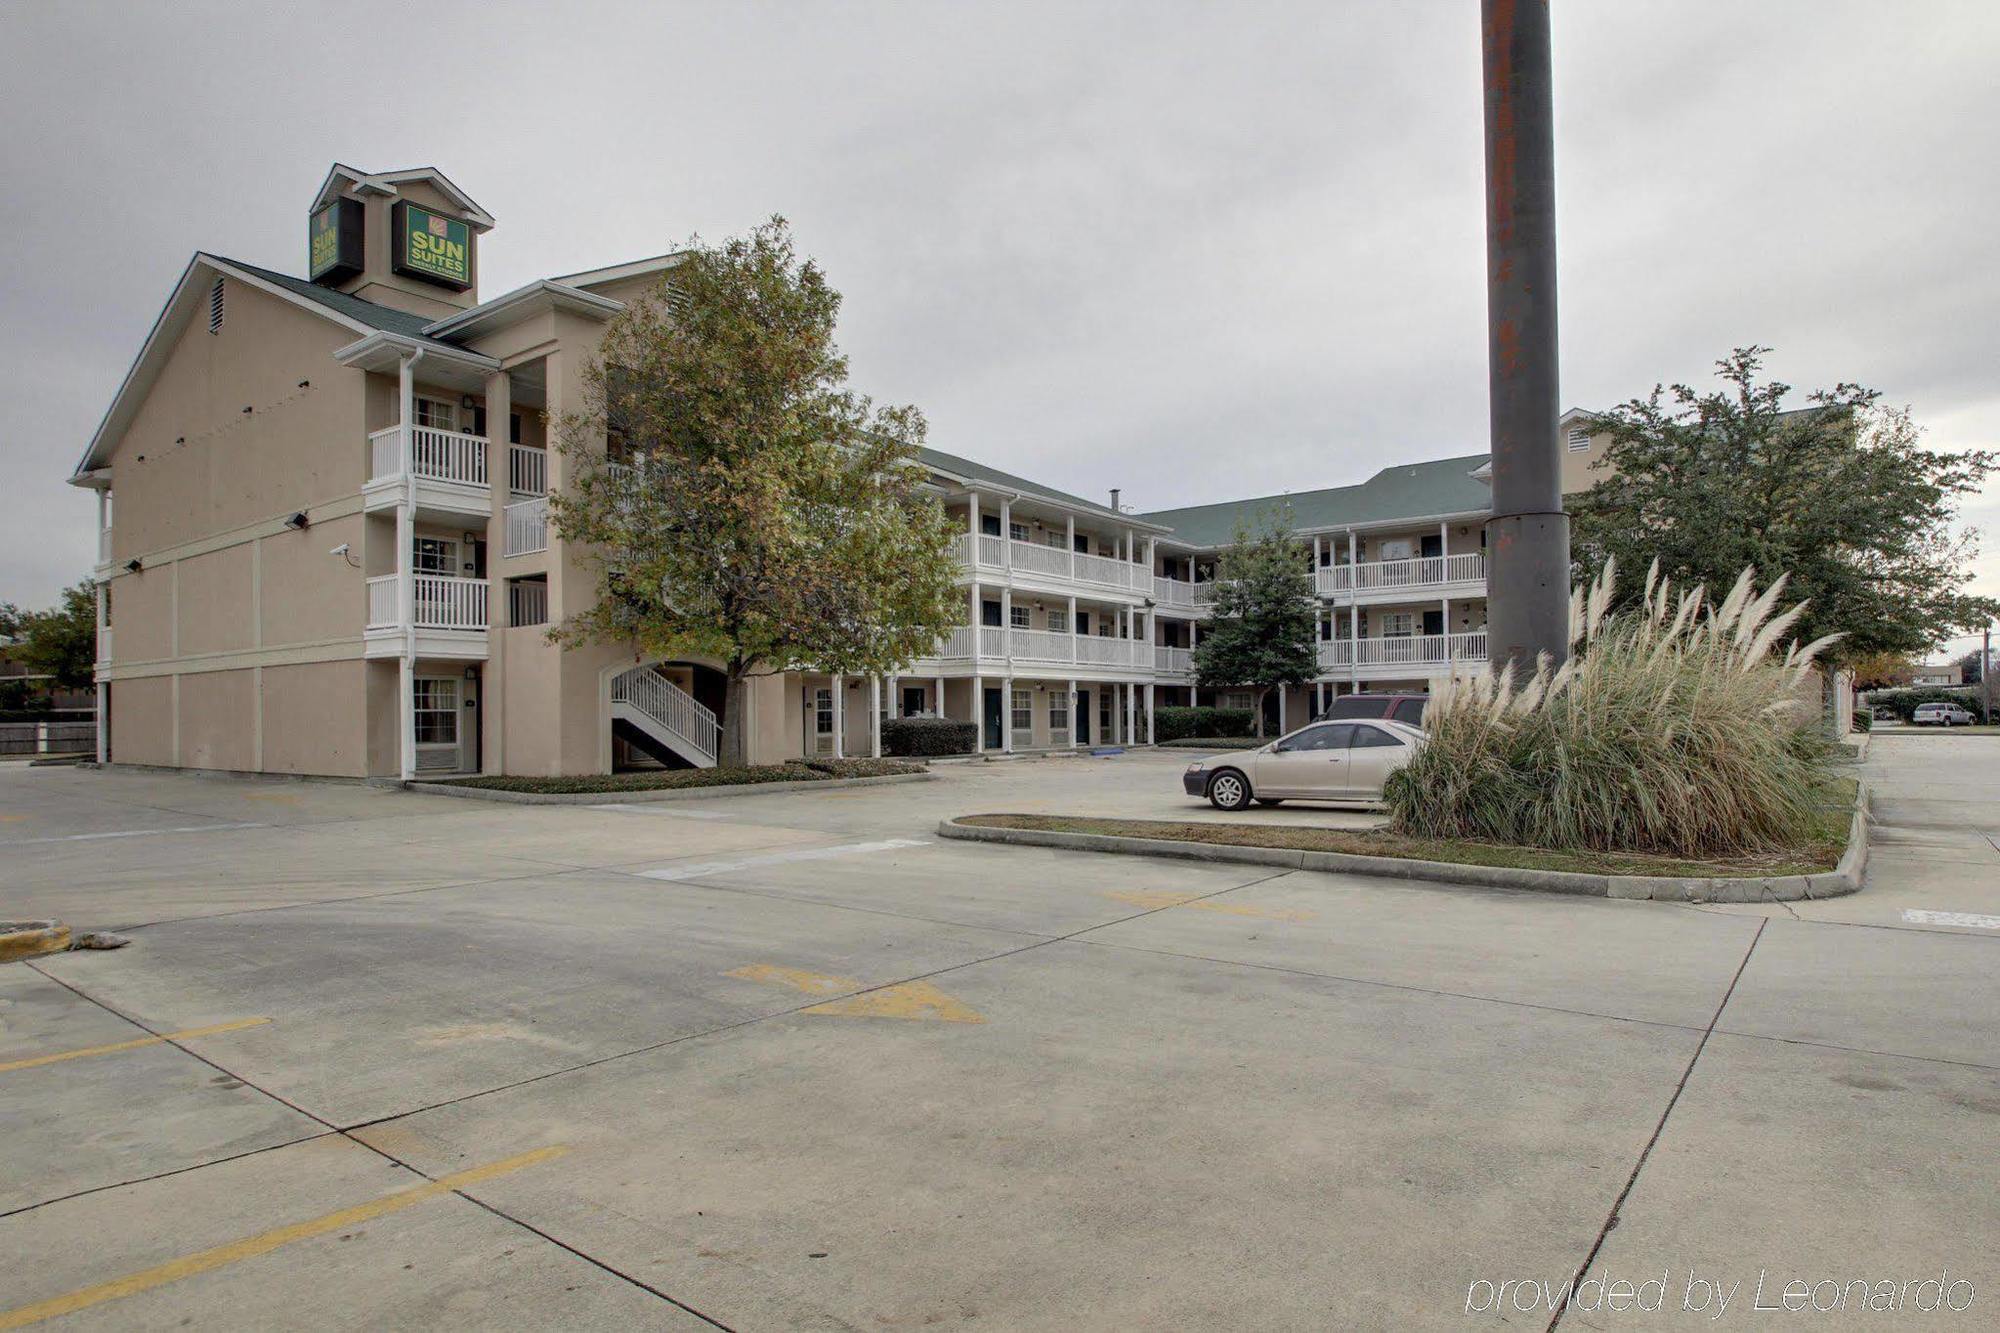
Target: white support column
(972, 620)
(978, 714)
(1007, 621)
(406, 574)
(1072, 629)
(1149, 712)
(1007, 715)
(1069, 548)
(1007, 534)
(938, 684)
(972, 521)
(875, 717)
(103, 723)
(839, 718)
(1131, 693)
(1353, 613)
(1075, 720)
(1152, 566)
(1282, 692)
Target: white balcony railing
(1428, 571)
(527, 470)
(1405, 650)
(442, 602)
(436, 455)
(527, 602)
(527, 526)
(988, 552)
(1173, 661)
(1000, 645)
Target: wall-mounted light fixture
(133, 565)
(305, 384)
(297, 521)
(471, 537)
(465, 401)
(246, 410)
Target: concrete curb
(31, 939)
(659, 794)
(1843, 879)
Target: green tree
(62, 644)
(1839, 494)
(740, 501)
(1262, 628)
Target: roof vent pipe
(1114, 500)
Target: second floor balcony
(1405, 654)
(449, 468)
(1001, 556)
(999, 649)
(1463, 575)
(448, 615)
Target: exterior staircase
(646, 700)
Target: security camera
(341, 549)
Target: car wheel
(1229, 790)
(1270, 800)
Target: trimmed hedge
(650, 781)
(921, 736)
(864, 768)
(1177, 723)
(1906, 701)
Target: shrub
(654, 780)
(1673, 729)
(863, 768)
(1177, 723)
(1905, 702)
(920, 736)
(1863, 720)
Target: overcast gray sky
(1194, 251)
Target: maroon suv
(1396, 707)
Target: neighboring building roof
(518, 304)
(1442, 486)
(637, 268)
(967, 470)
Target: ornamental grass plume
(1676, 728)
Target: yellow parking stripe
(134, 1044)
(175, 1270)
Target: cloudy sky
(1193, 251)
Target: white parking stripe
(1923, 917)
(126, 833)
(701, 868)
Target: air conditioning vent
(1579, 440)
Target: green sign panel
(433, 247)
(333, 242)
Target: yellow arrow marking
(908, 999)
(175, 1270)
(134, 1044)
(812, 983)
(1156, 900)
(15, 819)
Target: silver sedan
(1327, 761)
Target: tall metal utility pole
(1527, 539)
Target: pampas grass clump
(1676, 728)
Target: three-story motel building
(324, 544)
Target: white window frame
(1017, 531)
(436, 413)
(419, 555)
(1235, 699)
(823, 720)
(436, 698)
(1020, 617)
(1398, 624)
(1058, 621)
(1023, 709)
(1059, 711)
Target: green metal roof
(382, 317)
(1406, 491)
(965, 467)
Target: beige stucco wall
(142, 720)
(237, 468)
(215, 606)
(315, 718)
(218, 720)
(1579, 472)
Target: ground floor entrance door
(992, 714)
(913, 700)
(1083, 717)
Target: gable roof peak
(343, 180)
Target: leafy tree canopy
(743, 504)
(1838, 494)
(1262, 628)
(59, 643)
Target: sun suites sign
(334, 242)
(432, 247)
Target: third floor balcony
(1461, 575)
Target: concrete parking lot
(377, 1059)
